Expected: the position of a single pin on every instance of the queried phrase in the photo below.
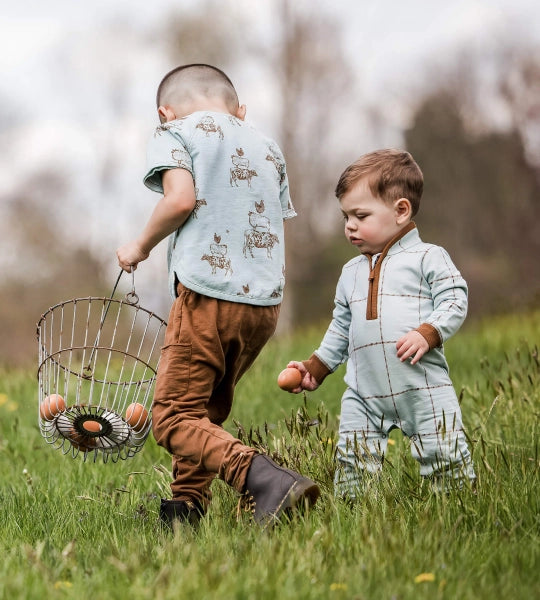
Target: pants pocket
(173, 372)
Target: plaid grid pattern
(418, 286)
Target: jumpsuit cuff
(430, 334)
(316, 368)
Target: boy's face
(370, 223)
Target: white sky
(386, 38)
(60, 62)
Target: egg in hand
(289, 379)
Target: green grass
(70, 529)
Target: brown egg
(80, 441)
(289, 379)
(136, 416)
(92, 426)
(51, 406)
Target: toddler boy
(395, 305)
(225, 196)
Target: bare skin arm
(169, 214)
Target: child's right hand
(308, 383)
(130, 255)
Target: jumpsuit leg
(361, 446)
(209, 345)
(438, 441)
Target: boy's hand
(412, 344)
(129, 255)
(308, 382)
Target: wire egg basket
(98, 360)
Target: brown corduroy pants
(209, 344)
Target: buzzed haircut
(391, 174)
(187, 83)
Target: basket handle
(131, 298)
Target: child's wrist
(430, 334)
(316, 368)
(143, 246)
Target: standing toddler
(395, 305)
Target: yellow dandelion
(424, 577)
(63, 585)
(3, 399)
(334, 587)
(391, 442)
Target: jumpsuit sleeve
(334, 347)
(449, 294)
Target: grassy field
(70, 529)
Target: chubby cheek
(368, 230)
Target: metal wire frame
(101, 355)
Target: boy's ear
(403, 209)
(241, 112)
(166, 114)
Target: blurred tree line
(482, 178)
(482, 190)
(47, 268)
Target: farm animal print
(199, 202)
(181, 158)
(274, 157)
(217, 259)
(240, 170)
(231, 246)
(259, 236)
(208, 125)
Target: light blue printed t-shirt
(232, 245)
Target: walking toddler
(224, 199)
(395, 305)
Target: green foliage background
(70, 529)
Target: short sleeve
(276, 156)
(165, 151)
(287, 207)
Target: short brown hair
(188, 81)
(391, 174)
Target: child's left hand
(412, 344)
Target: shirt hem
(211, 293)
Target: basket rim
(100, 298)
(91, 377)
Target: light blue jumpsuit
(412, 285)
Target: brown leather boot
(274, 489)
(183, 511)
